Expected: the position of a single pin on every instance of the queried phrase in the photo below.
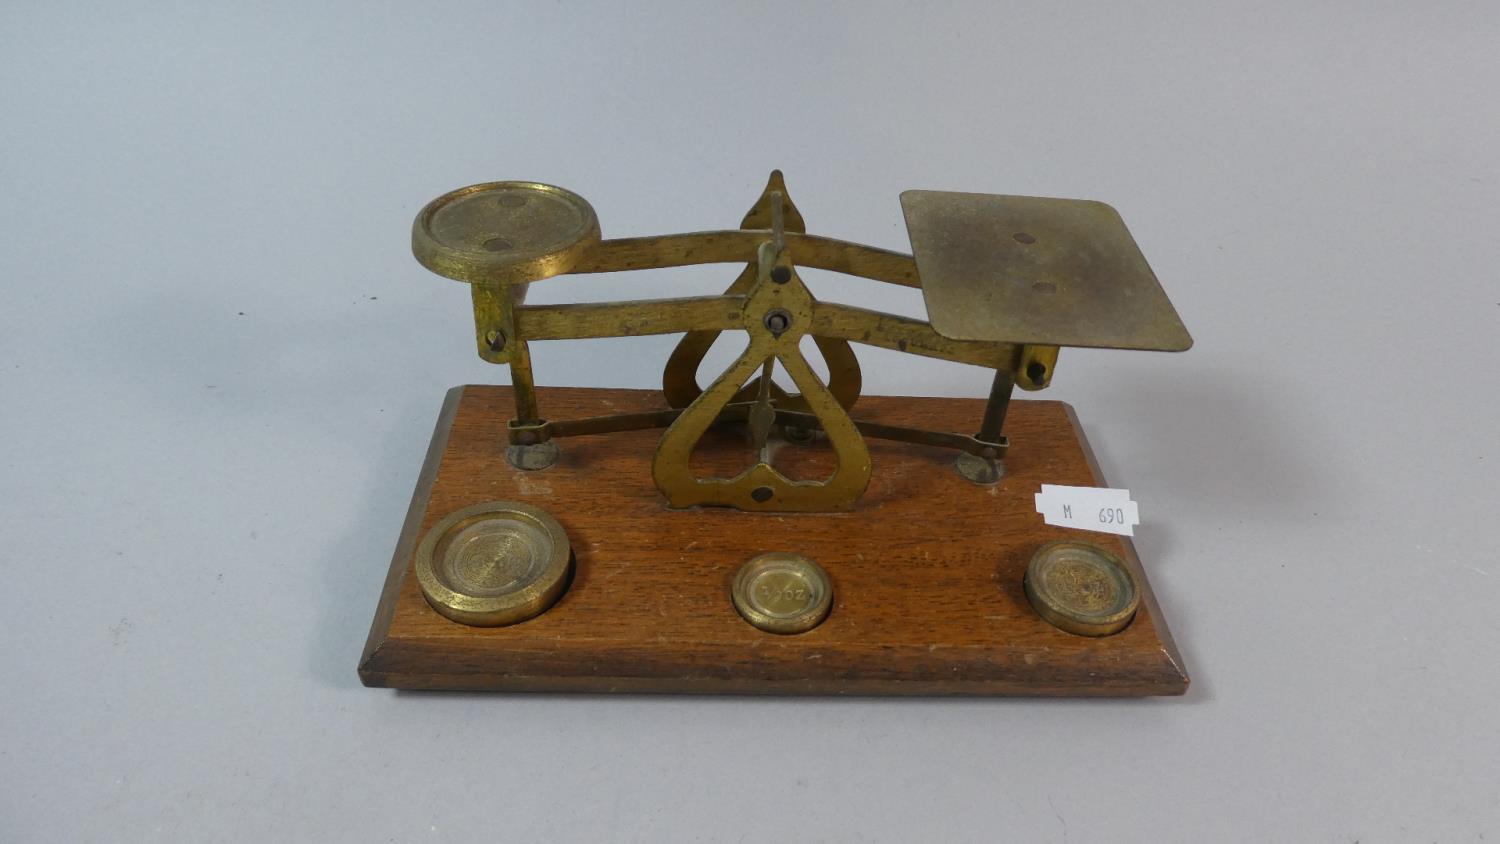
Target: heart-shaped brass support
(777, 314)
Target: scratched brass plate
(1024, 269)
(504, 232)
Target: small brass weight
(1007, 281)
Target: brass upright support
(986, 468)
(996, 407)
(501, 341)
(524, 383)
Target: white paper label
(1088, 508)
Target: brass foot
(532, 457)
(979, 470)
(798, 436)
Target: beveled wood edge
(761, 687)
(385, 610)
(1148, 595)
(410, 663)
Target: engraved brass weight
(1007, 282)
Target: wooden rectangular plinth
(926, 571)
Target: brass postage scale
(775, 531)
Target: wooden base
(926, 570)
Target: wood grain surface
(926, 570)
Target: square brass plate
(1025, 269)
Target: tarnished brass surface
(1034, 371)
(736, 245)
(773, 210)
(782, 593)
(984, 471)
(496, 563)
(904, 334)
(628, 319)
(1081, 588)
(504, 232)
(495, 333)
(1025, 269)
(761, 487)
(1007, 281)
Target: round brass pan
(504, 232)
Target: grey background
(219, 369)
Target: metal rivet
(778, 321)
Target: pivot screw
(778, 321)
